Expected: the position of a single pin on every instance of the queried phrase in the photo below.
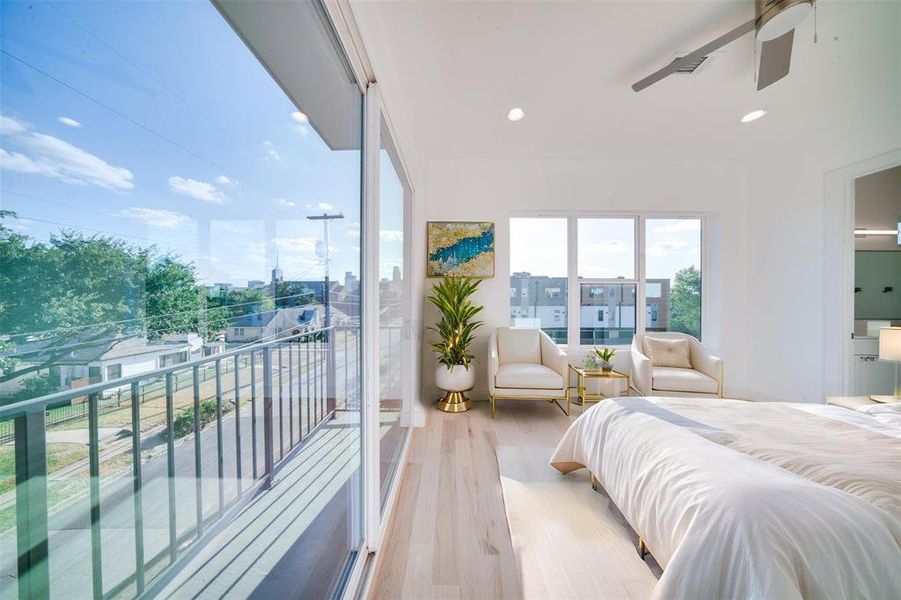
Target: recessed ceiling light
(516, 114)
(753, 115)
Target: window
(619, 289)
(606, 259)
(538, 261)
(673, 275)
(113, 371)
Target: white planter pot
(456, 379)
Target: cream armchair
(525, 364)
(705, 378)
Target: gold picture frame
(460, 249)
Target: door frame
(838, 270)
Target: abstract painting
(460, 249)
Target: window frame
(573, 282)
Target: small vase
(455, 381)
(606, 366)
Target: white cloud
(303, 122)
(231, 227)
(200, 190)
(296, 244)
(678, 225)
(353, 229)
(224, 180)
(666, 248)
(52, 157)
(319, 206)
(390, 235)
(284, 202)
(68, 121)
(607, 246)
(10, 126)
(166, 219)
(271, 152)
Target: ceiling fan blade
(692, 56)
(775, 59)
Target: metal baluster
(198, 462)
(306, 352)
(315, 380)
(268, 452)
(281, 408)
(94, 466)
(323, 358)
(253, 411)
(220, 461)
(346, 371)
(238, 424)
(33, 567)
(170, 467)
(299, 392)
(290, 395)
(136, 487)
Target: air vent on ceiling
(691, 66)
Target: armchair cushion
(525, 375)
(672, 352)
(518, 345)
(682, 380)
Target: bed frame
(643, 551)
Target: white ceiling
(451, 70)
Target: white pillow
(888, 413)
(669, 352)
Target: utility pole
(330, 337)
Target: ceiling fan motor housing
(777, 17)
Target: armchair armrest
(493, 362)
(709, 365)
(554, 357)
(641, 372)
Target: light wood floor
(449, 536)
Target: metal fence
(282, 390)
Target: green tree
(685, 302)
(85, 294)
(174, 299)
(292, 293)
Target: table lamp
(890, 350)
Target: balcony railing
(166, 460)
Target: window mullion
(572, 283)
(640, 307)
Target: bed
(739, 499)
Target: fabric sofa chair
(525, 364)
(702, 377)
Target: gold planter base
(454, 402)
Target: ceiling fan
(774, 23)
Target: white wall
(490, 190)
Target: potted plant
(455, 373)
(605, 356)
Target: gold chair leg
(493, 407)
(594, 482)
(642, 548)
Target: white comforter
(776, 503)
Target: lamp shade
(890, 344)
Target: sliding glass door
(394, 337)
(180, 280)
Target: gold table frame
(583, 374)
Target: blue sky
(152, 121)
